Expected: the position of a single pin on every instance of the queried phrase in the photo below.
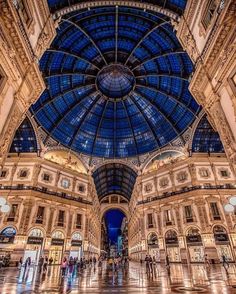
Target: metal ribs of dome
(176, 6)
(74, 110)
(114, 178)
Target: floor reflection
(182, 279)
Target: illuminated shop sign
(6, 239)
(76, 243)
(57, 242)
(35, 240)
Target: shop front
(76, 246)
(57, 247)
(34, 246)
(195, 246)
(172, 246)
(153, 247)
(222, 243)
(7, 237)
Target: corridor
(182, 279)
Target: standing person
(63, 266)
(206, 261)
(20, 263)
(45, 265)
(167, 264)
(147, 264)
(94, 261)
(150, 264)
(50, 261)
(225, 262)
(40, 264)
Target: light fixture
(229, 207)
(3, 201)
(232, 200)
(5, 208)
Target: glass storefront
(222, 243)
(172, 246)
(76, 246)
(57, 247)
(34, 246)
(195, 246)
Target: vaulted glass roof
(117, 83)
(206, 139)
(24, 139)
(114, 178)
(176, 6)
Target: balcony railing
(188, 189)
(46, 191)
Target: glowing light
(229, 207)
(232, 200)
(2, 201)
(5, 208)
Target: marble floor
(182, 279)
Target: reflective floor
(182, 279)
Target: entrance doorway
(114, 241)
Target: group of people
(116, 262)
(72, 264)
(150, 263)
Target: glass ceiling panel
(117, 82)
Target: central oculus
(115, 81)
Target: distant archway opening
(114, 237)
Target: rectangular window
(168, 217)
(61, 216)
(46, 177)
(40, 215)
(24, 11)
(3, 173)
(79, 221)
(188, 213)
(12, 214)
(150, 220)
(215, 211)
(209, 13)
(224, 173)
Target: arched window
(171, 237)
(8, 232)
(36, 233)
(193, 236)
(152, 239)
(220, 234)
(58, 235)
(76, 236)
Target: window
(12, 214)
(150, 220)
(3, 174)
(182, 176)
(209, 13)
(188, 213)
(148, 188)
(81, 188)
(23, 173)
(215, 211)
(204, 173)
(164, 182)
(79, 221)
(24, 11)
(224, 173)
(40, 215)
(61, 216)
(168, 217)
(65, 183)
(46, 177)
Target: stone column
(25, 219)
(203, 218)
(50, 221)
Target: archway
(114, 234)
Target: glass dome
(117, 83)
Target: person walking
(40, 263)
(147, 264)
(45, 265)
(63, 267)
(150, 264)
(167, 264)
(206, 261)
(225, 262)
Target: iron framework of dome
(117, 83)
(114, 178)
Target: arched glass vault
(114, 178)
(117, 82)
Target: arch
(193, 235)
(58, 234)
(114, 206)
(171, 237)
(171, 10)
(152, 238)
(24, 140)
(188, 228)
(9, 231)
(114, 178)
(159, 153)
(220, 233)
(76, 236)
(36, 232)
(205, 138)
